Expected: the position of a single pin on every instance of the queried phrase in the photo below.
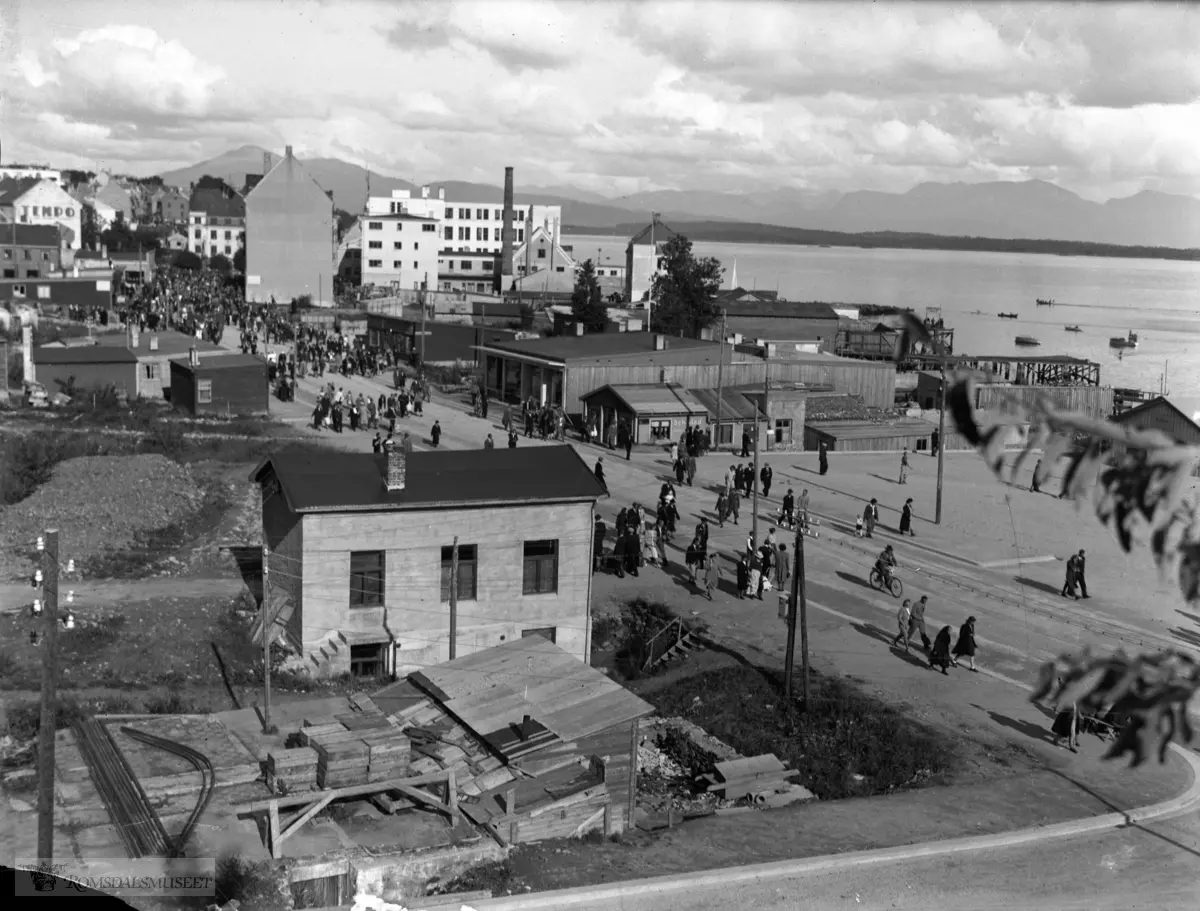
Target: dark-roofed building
(758, 318)
(229, 385)
(291, 237)
(442, 343)
(30, 251)
(914, 434)
(154, 350)
(59, 369)
(661, 413)
(216, 223)
(90, 292)
(361, 549)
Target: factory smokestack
(506, 231)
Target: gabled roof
(286, 171)
(1158, 402)
(740, 294)
(354, 481)
(13, 188)
(215, 203)
(661, 234)
(735, 406)
(653, 398)
(490, 690)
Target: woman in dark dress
(906, 515)
(965, 646)
(939, 655)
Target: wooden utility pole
(720, 386)
(941, 446)
(798, 606)
(757, 436)
(46, 740)
(424, 308)
(454, 599)
(267, 623)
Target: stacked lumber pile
(313, 729)
(752, 777)
(439, 743)
(342, 759)
(289, 771)
(388, 754)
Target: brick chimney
(397, 467)
(506, 229)
(193, 357)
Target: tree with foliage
(89, 227)
(685, 291)
(1136, 482)
(208, 182)
(220, 263)
(186, 259)
(587, 300)
(239, 260)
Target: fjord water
(1158, 299)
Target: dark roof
(1157, 402)
(224, 362)
(734, 407)
(644, 235)
(777, 309)
(11, 188)
(652, 398)
(30, 236)
(597, 345)
(733, 294)
(354, 481)
(869, 430)
(83, 354)
(214, 202)
(170, 343)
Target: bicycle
(894, 585)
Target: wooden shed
(571, 730)
(658, 413)
(867, 436)
(232, 384)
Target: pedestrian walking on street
(823, 459)
(693, 558)
(735, 503)
(1072, 577)
(712, 576)
(965, 646)
(765, 476)
(690, 462)
(745, 444)
(903, 616)
(435, 434)
(906, 517)
(1080, 567)
(916, 622)
(935, 441)
(904, 466)
(939, 655)
(870, 517)
(599, 472)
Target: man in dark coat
(1068, 588)
(823, 459)
(745, 444)
(1080, 565)
(765, 476)
(599, 472)
(598, 533)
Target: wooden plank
(427, 799)
(273, 824)
(749, 767)
(299, 800)
(579, 797)
(316, 807)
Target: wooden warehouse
(90, 367)
(445, 343)
(232, 384)
(1071, 383)
(561, 370)
(867, 436)
(569, 733)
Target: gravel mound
(98, 504)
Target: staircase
(328, 648)
(673, 642)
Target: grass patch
(497, 876)
(847, 744)
(639, 623)
(25, 718)
(88, 639)
(28, 461)
(252, 884)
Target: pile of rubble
(653, 761)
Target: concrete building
(475, 227)
(643, 259)
(399, 250)
(291, 237)
(216, 223)
(31, 201)
(30, 251)
(113, 201)
(233, 384)
(361, 549)
(349, 255)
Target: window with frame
(541, 253)
(45, 256)
(449, 213)
(520, 235)
(397, 264)
(783, 430)
(228, 249)
(660, 429)
(204, 392)
(212, 235)
(153, 372)
(399, 226)
(725, 434)
(43, 292)
(229, 235)
(374, 245)
(32, 273)
(466, 265)
(540, 567)
(430, 229)
(499, 215)
(10, 273)
(367, 660)
(546, 632)
(468, 571)
(416, 265)
(449, 234)
(374, 263)
(8, 254)
(397, 245)
(366, 578)
(374, 226)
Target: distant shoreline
(746, 233)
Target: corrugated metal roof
(869, 430)
(492, 689)
(655, 399)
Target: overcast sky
(618, 97)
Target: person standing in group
(916, 622)
(823, 458)
(906, 517)
(783, 568)
(1080, 567)
(743, 575)
(965, 646)
(1068, 588)
(712, 575)
(735, 503)
(903, 616)
(904, 466)
(598, 533)
(765, 476)
(939, 655)
(870, 517)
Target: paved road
(1151, 868)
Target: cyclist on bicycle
(883, 566)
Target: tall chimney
(287, 151)
(506, 230)
(134, 337)
(397, 467)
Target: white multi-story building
(39, 201)
(399, 250)
(216, 224)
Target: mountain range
(1032, 209)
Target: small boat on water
(1045, 303)
(1027, 341)
(1007, 315)
(1130, 341)
(1073, 329)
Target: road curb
(663, 885)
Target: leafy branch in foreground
(1137, 482)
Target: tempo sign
(48, 211)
